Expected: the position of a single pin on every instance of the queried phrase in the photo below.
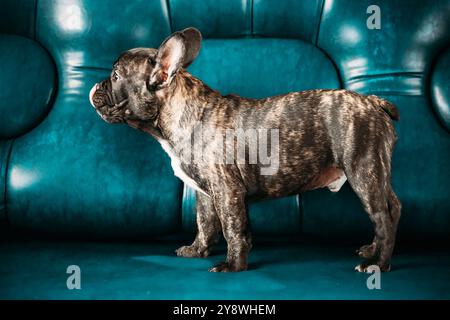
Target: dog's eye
(115, 76)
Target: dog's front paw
(368, 251)
(228, 267)
(365, 267)
(192, 252)
(361, 267)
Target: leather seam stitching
(251, 18)
(319, 23)
(5, 188)
(35, 36)
(387, 74)
(170, 16)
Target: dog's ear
(176, 52)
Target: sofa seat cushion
(286, 270)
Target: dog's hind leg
(394, 209)
(208, 233)
(371, 182)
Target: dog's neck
(184, 103)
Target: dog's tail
(388, 107)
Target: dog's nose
(91, 94)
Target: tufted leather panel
(393, 59)
(216, 19)
(24, 106)
(5, 147)
(18, 17)
(88, 33)
(440, 88)
(287, 19)
(259, 68)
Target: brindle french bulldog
(325, 138)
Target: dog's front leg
(231, 209)
(209, 227)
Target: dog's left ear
(176, 52)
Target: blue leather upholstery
(74, 174)
(277, 65)
(440, 88)
(24, 106)
(287, 19)
(139, 270)
(392, 60)
(18, 17)
(4, 153)
(93, 33)
(64, 171)
(218, 19)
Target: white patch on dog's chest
(176, 167)
(336, 185)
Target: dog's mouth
(102, 101)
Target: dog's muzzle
(91, 100)
(91, 94)
(102, 102)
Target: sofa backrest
(68, 172)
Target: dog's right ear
(176, 52)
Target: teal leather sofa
(66, 175)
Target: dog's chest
(177, 169)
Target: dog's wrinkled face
(126, 95)
(130, 93)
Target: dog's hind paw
(192, 252)
(361, 268)
(227, 267)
